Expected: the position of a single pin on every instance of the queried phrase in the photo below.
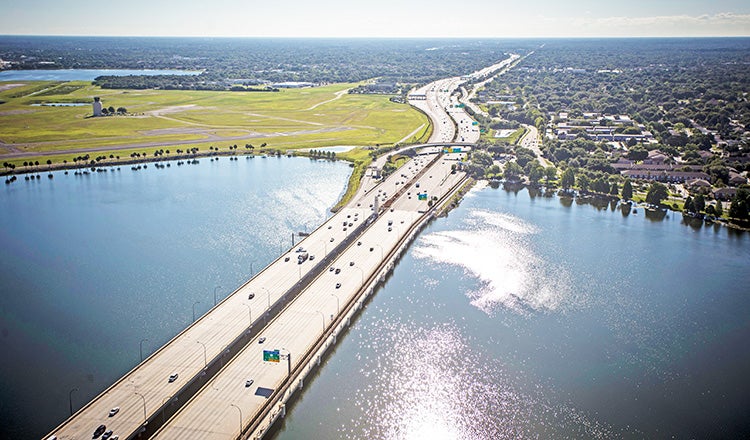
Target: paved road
(531, 141)
(451, 122)
(143, 391)
(147, 387)
(211, 414)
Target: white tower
(97, 106)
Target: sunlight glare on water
(493, 248)
(429, 383)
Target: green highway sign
(270, 355)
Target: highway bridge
(211, 380)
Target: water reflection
(492, 248)
(693, 222)
(625, 208)
(655, 215)
(429, 382)
(513, 187)
(600, 203)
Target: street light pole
(249, 312)
(141, 346)
(324, 319)
(70, 399)
(238, 409)
(269, 296)
(362, 274)
(195, 304)
(381, 250)
(144, 406)
(288, 361)
(337, 303)
(205, 359)
(217, 287)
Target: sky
(377, 18)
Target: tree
(584, 182)
(719, 209)
(512, 171)
(689, 206)
(111, 109)
(637, 154)
(739, 207)
(122, 110)
(534, 171)
(524, 156)
(482, 159)
(627, 190)
(614, 190)
(656, 193)
(550, 174)
(568, 178)
(699, 203)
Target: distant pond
(82, 74)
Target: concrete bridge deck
(221, 409)
(307, 299)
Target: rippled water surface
(521, 317)
(90, 265)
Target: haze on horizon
(383, 18)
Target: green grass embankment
(360, 160)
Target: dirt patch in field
(4, 87)
(174, 109)
(176, 130)
(15, 112)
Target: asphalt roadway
(143, 391)
(214, 413)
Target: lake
(82, 74)
(92, 264)
(513, 317)
(520, 317)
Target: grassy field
(513, 139)
(167, 119)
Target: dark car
(251, 296)
(99, 431)
(338, 285)
(107, 435)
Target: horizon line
(466, 37)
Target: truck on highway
(302, 257)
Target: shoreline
(352, 186)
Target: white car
(114, 411)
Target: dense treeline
(252, 60)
